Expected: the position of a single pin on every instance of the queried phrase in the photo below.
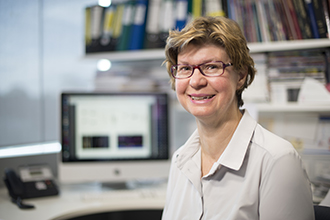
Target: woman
(231, 167)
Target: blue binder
(182, 13)
(138, 26)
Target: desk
(84, 199)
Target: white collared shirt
(258, 176)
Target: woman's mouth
(198, 98)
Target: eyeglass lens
(207, 69)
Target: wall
(41, 54)
(42, 49)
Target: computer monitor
(114, 137)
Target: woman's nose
(197, 80)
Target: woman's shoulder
(271, 143)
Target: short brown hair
(219, 31)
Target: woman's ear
(242, 75)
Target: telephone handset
(34, 181)
(15, 188)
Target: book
(265, 36)
(297, 34)
(296, 65)
(311, 13)
(288, 70)
(290, 21)
(256, 22)
(279, 7)
(277, 23)
(303, 19)
(231, 9)
(249, 21)
(327, 66)
(325, 6)
(225, 7)
(270, 20)
(320, 18)
(239, 16)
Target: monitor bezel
(118, 160)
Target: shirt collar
(189, 149)
(234, 154)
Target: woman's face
(204, 97)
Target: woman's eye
(212, 66)
(184, 68)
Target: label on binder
(140, 15)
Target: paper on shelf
(312, 92)
(258, 90)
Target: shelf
(159, 54)
(289, 45)
(132, 55)
(292, 107)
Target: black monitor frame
(160, 126)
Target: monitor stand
(116, 185)
(133, 184)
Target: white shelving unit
(293, 107)
(289, 45)
(295, 122)
(131, 55)
(158, 54)
(147, 56)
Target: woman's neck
(214, 138)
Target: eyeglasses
(184, 71)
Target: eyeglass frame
(199, 67)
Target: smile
(201, 97)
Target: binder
(108, 27)
(231, 9)
(225, 7)
(88, 31)
(117, 26)
(127, 21)
(181, 14)
(197, 6)
(94, 14)
(214, 8)
(138, 26)
(152, 37)
(167, 21)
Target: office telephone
(34, 181)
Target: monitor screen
(118, 131)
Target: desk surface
(83, 199)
